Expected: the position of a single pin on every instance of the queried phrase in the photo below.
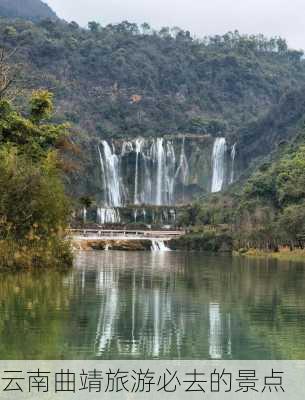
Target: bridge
(123, 234)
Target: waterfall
(233, 155)
(139, 143)
(108, 216)
(127, 147)
(84, 215)
(157, 171)
(163, 158)
(170, 175)
(110, 164)
(158, 245)
(218, 161)
(173, 215)
(183, 168)
(147, 191)
(159, 151)
(135, 215)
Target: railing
(87, 233)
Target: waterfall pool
(162, 305)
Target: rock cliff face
(163, 171)
(120, 245)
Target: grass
(283, 254)
(51, 253)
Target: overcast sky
(202, 17)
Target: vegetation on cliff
(269, 210)
(123, 79)
(127, 80)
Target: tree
(146, 28)
(94, 27)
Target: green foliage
(271, 210)
(292, 221)
(30, 135)
(32, 201)
(41, 105)
(267, 211)
(34, 210)
(207, 241)
(124, 79)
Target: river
(143, 305)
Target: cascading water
(163, 157)
(160, 174)
(156, 173)
(108, 216)
(233, 155)
(84, 215)
(218, 161)
(158, 245)
(159, 158)
(139, 143)
(170, 173)
(111, 168)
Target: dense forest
(34, 209)
(268, 211)
(123, 79)
(128, 80)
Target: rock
(120, 245)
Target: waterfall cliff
(163, 172)
(218, 160)
(158, 173)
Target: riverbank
(209, 241)
(283, 254)
(25, 255)
(112, 244)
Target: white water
(156, 173)
(84, 215)
(218, 161)
(108, 216)
(111, 168)
(233, 155)
(160, 169)
(139, 143)
(158, 245)
(135, 215)
(160, 174)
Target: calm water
(155, 305)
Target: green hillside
(127, 80)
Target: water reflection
(218, 324)
(154, 305)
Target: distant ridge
(33, 10)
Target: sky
(283, 18)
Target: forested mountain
(127, 80)
(268, 133)
(123, 81)
(34, 10)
